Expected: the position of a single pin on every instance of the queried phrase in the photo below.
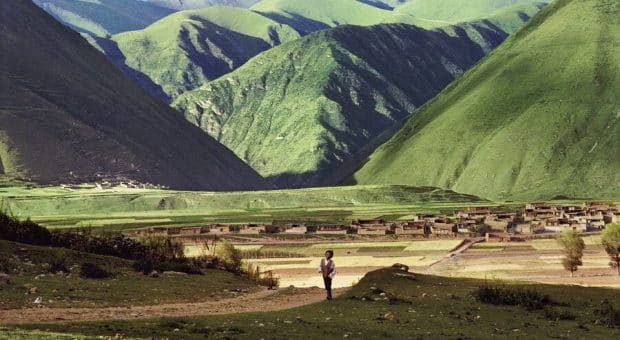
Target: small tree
(573, 246)
(611, 241)
(231, 256)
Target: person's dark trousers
(328, 286)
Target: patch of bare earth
(262, 301)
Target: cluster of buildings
(535, 218)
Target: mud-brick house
(412, 228)
(612, 217)
(554, 225)
(251, 229)
(295, 229)
(497, 225)
(331, 230)
(155, 232)
(523, 228)
(475, 213)
(578, 227)
(448, 229)
(190, 231)
(497, 237)
(373, 230)
(219, 229)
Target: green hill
(309, 16)
(193, 4)
(303, 112)
(508, 15)
(189, 48)
(68, 115)
(539, 118)
(389, 303)
(102, 18)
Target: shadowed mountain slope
(68, 115)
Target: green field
(134, 208)
(539, 118)
(386, 305)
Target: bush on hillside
(512, 297)
(12, 229)
(230, 257)
(607, 314)
(116, 245)
(58, 265)
(93, 271)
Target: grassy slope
(300, 112)
(101, 18)
(428, 307)
(308, 16)
(68, 115)
(56, 207)
(193, 4)
(538, 118)
(456, 11)
(125, 288)
(189, 48)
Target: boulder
(5, 278)
(401, 266)
(174, 273)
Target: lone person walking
(328, 270)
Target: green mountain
(508, 15)
(104, 17)
(194, 4)
(68, 115)
(189, 48)
(303, 112)
(309, 16)
(539, 118)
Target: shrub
(12, 229)
(607, 314)
(512, 297)
(116, 245)
(266, 279)
(611, 241)
(93, 271)
(57, 265)
(559, 314)
(230, 257)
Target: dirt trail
(466, 244)
(262, 301)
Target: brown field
(533, 260)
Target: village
(491, 222)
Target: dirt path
(262, 301)
(466, 244)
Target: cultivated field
(535, 260)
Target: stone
(401, 266)
(5, 278)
